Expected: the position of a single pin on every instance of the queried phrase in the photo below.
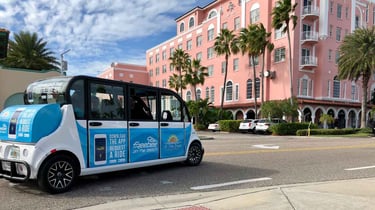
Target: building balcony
(309, 37)
(309, 62)
(310, 12)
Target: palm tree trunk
(262, 94)
(225, 81)
(365, 80)
(195, 92)
(255, 90)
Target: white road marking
(203, 187)
(266, 146)
(359, 168)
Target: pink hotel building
(321, 27)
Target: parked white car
(214, 127)
(248, 125)
(263, 125)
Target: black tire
(57, 174)
(195, 154)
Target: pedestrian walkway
(338, 195)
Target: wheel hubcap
(60, 174)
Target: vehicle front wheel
(195, 154)
(57, 174)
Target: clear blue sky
(98, 32)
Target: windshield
(48, 91)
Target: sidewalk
(345, 194)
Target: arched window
(249, 89)
(212, 94)
(182, 27)
(212, 14)
(207, 92)
(257, 87)
(191, 22)
(336, 87)
(229, 92)
(188, 95)
(199, 93)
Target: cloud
(94, 30)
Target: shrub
(289, 128)
(343, 131)
(229, 125)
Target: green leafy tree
(29, 52)
(226, 43)
(195, 75)
(282, 14)
(180, 61)
(357, 61)
(175, 82)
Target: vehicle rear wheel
(195, 154)
(57, 174)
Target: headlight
(14, 152)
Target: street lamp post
(62, 61)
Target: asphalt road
(232, 161)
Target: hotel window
(356, 22)
(236, 23)
(254, 16)
(151, 72)
(336, 87)
(304, 87)
(279, 33)
(338, 34)
(236, 92)
(157, 58)
(331, 7)
(249, 89)
(257, 87)
(212, 94)
(182, 27)
(373, 15)
(164, 55)
(366, 16)
(199, 93)
(210, 52)
(188, 95)
(164, 83)
(330, 30)
(171, 51)
(210, 70)
(179, 46)
(212, 14)
(223, 67)
(170, 67)
(164, 69)
(229, 91)
(346, 12)
(189, 44)
(225, 25)
(339, 7)
(353, 91)
(210, 34)
(256, 61)
(157, 71)
(150, 60)
(329, 54)
(191, 22)
(199, 56)
(207, 92)
(157, 84)
(337, 56)
(199, 40)
(235, 64)
(280, 54)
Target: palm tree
(225, 44)
(282, 14)
(195, 75)
(29, 52)
(357, 61)
(180, 60)
(175, 82)
(248, 44)
(262, 43)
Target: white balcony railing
(309, 61)
(310, 10)
(310, 36)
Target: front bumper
(16, 170)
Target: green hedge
(229, 125)
(343, 131)
(289, 128)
